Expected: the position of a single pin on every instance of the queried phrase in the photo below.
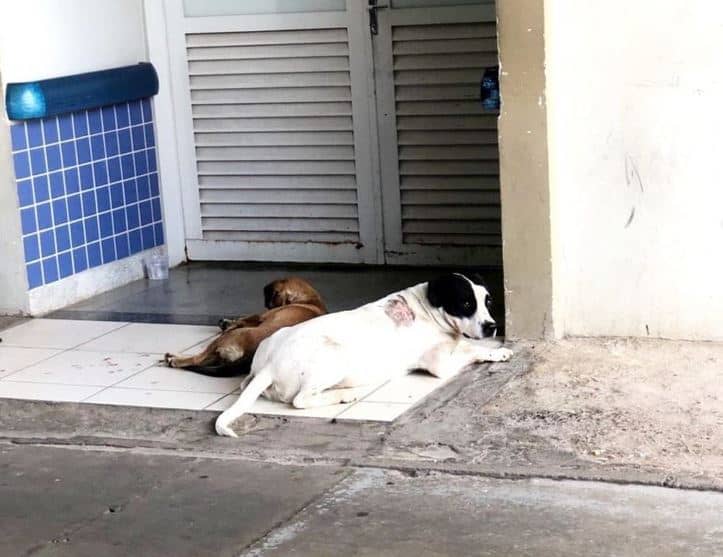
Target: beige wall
(635, 139)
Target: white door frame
(165, 20)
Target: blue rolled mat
(60, 95)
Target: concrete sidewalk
(81, 503)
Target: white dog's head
(464, 305)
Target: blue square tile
(129, 189)
(121, 115)
(35, 275)
(50, 269)
(106, 225)
(119, 221)
(35, 133)
(31, 247)
(146, 212)
(41, 189)
(83, 147)
(150, 136)
(17, 137)
(108, 113)
(156, 203)
(138, 137)
(45, 216)
(52, 154)
(37, 161)
(121, 246)
(146, 109)
(144, 187)
(102, 195)
(127, 167)
(72, 180)
(77, 234)
(108, 247)
(89, 207)
(25, 193)
(94, 257)
(65, 264)
(148, 237)
(91, 229)
(75, 207)
(57, 187)
(65, 123)
(60, 211)
(158, 228)
(47, 243)
(141, 163)
(28, 224)
(152, 163)
(86, 176)
(80, 261)
(80, 123)
(124, 141)
(100, 172)
(97, 147)
(50, 130)
(111, 143)
(62, 238)
(21, 162)
(135, 111)
(69, 157)
(95, 124)
(116, 196)
(114, 169)
(135, 241)
(132, 216)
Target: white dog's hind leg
(306, 399)
(260, 382)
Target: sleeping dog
(288, 301)
(437, 326)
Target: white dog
(436, 326)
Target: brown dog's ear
(270, 297)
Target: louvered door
(274, 125)
(438, 148)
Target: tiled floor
(110, 362)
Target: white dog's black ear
(452, 293)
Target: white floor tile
(374, 411)
(264, 406)
(76, 367)
(56, 333)
(165, 378)
(44, 391)
(153, 399)
(151, 338)
(13, 358)
(407, 389)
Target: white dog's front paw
(501, 355)
(224, 429)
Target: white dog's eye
(488, 301)
(466, 305)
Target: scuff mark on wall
(632, 176)
(631, 217)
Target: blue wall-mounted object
(61, 95)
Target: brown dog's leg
(207, 357)
(248, 321)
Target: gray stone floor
(81, 503)
(199, 293)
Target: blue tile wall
(88, 189)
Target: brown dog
(288, 301)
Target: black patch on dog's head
(454, 294)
